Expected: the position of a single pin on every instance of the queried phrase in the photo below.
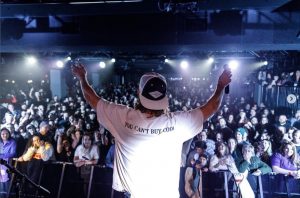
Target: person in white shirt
(148, 139)
(87, 153)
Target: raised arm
(214, 101)
(88, 92)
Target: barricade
(64, 180)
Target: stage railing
(64, 180)
(278, 96)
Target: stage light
(233, 64)
(211, 60)
(31, 60)
(113, 60)
(13, 82)
(184, 64)
(265, 62)
(6, 80)
(59, 64)
(102, 64)
(69, 58)
(166, 60)
(29, 81)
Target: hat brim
(154, 105)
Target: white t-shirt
(84, 154)
(147, 155)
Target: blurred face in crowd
(77, 134)
(78, 124)
(65, 116)
(71, 119)
(64, 108)
(254, 121)
(231, 144)
(203, 161)
(247, 107)
(51, 123)
(222, 149)
(248, 150)
(242, 99)
(8, 118)
(36, 141)
(252, 113)
(219, 137)
(296, 137)
(26, 102)
(71, 105)
(222, 122)
(81, 103)
(66, 145)
(31, 130)
(264, 120)
(281, 129)
(88, 126)
(242, 114)
(11, 108)
(200, 151)
(92, 116)
(254, 107)
(51, 116)
(266, 112)
(184, 108)
(282, 119)
(4, 135)
(288, 150)
(202, 136)
(82, 108)
(238, 136)
(197, 165)
(44, 130)
(265, 144)
(23, 113)
(265, 136)
(41, 108)
(86, 141)
(24, 107)
(226, 109)
(230, 118)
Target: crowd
(246, 138)
(270, 80)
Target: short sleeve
(275, 160)
(191, 122)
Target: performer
(148, 139)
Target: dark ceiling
(149, 27)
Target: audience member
(296, 140)
(286, 161)
(87, 153)
(7, 152)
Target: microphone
(227, 87)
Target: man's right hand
(225, 78)
(79, 71)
